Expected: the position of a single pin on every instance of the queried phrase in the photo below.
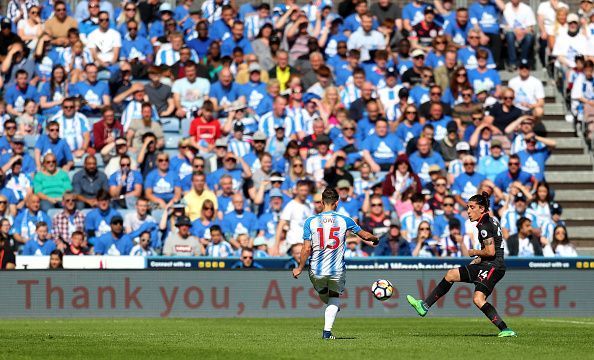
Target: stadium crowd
(211, 130)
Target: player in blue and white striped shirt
(324, 237)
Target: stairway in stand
(569, 170)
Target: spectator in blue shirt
(467, 55)
(98, 220)
(18, 153)
(94, 92)
(412, 14)
(162, 186)
(41, 244)
(115, 242)
(423, 158)
(202, 42)
(236, 40)
(484, 78)
(457, 31)
(534, 160)
(239, 221)
(136, 48)
(52, 143)
(467, 183)
(246, 261)
(392, 243)
(53, 91)
(25, 223)
(381, 148)
(486, 14)
(348, 205)
(515, 173)
(441, 227)
(495, 163)
(17, 93)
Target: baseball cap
(183, 221)
(165, 7)
(275, 193)
(342, 184)
(322, 139)
(238, 126)
(496, 143)
(556, 209)
(573, 18)
(520, 197)
(259, 136)
(434, 168)
(116, 218)
(417, 52)
(222, 142)
(259, 241)
(6, 23)
(121, 141)
(307, 97)
(524, 64)
(277, 177)
(429, 10)
(18, 139)
(391, 71)
(255, 67)
(462, 146)
(452, 127)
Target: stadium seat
(53, 212)
(171, 141)
(171, 152)
(185, 127)
(93, 120)
(30, 141)
(170, 125)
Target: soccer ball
(382, 289)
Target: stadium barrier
(274, 263)
(269, 293)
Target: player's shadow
(454, 335)
(346, 338)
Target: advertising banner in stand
(221, 293)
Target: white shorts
(333, 283)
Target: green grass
(260, 339)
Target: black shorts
(485, 277)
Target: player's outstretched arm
(487, 251)
(305, 252)
(368, 237)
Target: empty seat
(170, 125)
(172, 140)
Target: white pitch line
(568, 322)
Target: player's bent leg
(422, 307)
(480, 300)
(323, 294)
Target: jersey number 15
(332, 242)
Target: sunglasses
(436, 94)
(508, 98)
(461, 74)
(247, 257)
(34, 12)
(297, 165)
(424, 229)
(130, 9)
(60, 9)
(125, 164)
(68, 200)
(468, 164)
(348, 128)
(10, 128)
(68, 107)
(132, 28)
(3, 202)
(440, 42)
(466, 95)
(198, 166)
(207, 208)
(93, 6)
(103, 20)
(473, 37)
(54, 130)
(162, 160)
(440, 184)
(532, 141)
(50, 161)
(411, 112)
(376, 204)
(230, 159)
(514, 164)
(477, 118)
(117, 222)
(448, 204)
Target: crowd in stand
(211, 130)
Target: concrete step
(569, 160)
(569, 145)
(574, 180)
(579, 214)
(556, 128)
(581, 232)
(583, 196)
(554, 109)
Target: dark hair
(555, 243)
(77, 232)
(521, 221)
(41, 224)
(546, 186)
(21, 72)
(417, 197)
(481, 199)
(216, 228)
(103, 195)
(53, 81)
(330, 196)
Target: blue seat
(170, 125)
(172, 141)
(185, 127)
(30, 141)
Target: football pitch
(394, 338)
